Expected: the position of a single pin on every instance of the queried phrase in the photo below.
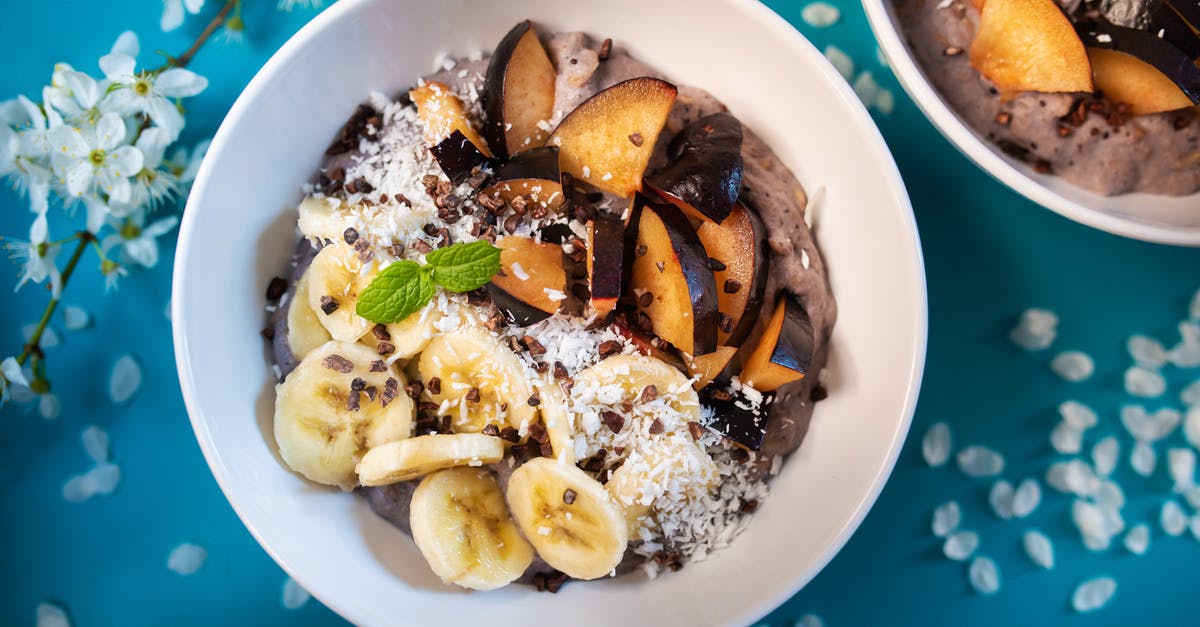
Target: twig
(217, 21)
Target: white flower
(234, 31)
(149, 93)
(151, 184)
(24, 159)
(184, 167)
(288, 5)
(112, 272)
(94, 158)
(138, 242)
(127, 44)
(37, 256)
(73, 94)
(172, 15)
(10, 374)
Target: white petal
(39, 231)
(186, 558)
(79, 178)
(179, 83)
(153, 143)
(83, 88)
(979, 461)
(124, 101)
(1039, 549)
(105, 476)
(193, 6)
(1172, 519)
(172, 16)
(1144, 382)
(1093, 594)
(1137, 540)
(1001, 499)
(946, 519)
(76, 318)
(79, 489)
(124, 162)
(125, 379)
(95, 443)
(161, 227)
(97, 212)
(127, 44)
(960, 545)
(12, 371)
(1078, 415)
(118, 67)
(110, 131)
(984, 575)
(1105, 455)
(1146, 351)
(935, 446)
(1026, 498)
(49, 406)
(164, 114)
(142, 250)
(294, 596)
(1181, 462)
(67, 141)
(1073, 366)
(51, 615)
(1143, 459)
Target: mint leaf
(398, 291)
(464, 267)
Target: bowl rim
(764, 17)
(963, 137)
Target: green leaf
(398, 291)
(464, 267)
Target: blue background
(989, 253)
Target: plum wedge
(532, 174)
(785, 351)
(1030, 45)
(443, 113)
(518, 94)
(738, 254)
(605, 261)
(609, 138)
(671, 280)
(704, 175)
(530, 285)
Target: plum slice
(647, 345)
(1029, 45)
(533, 174)
(784, 353)
(739, 420)
(672, 282)
(704, 174)
(738, 253)
(608, 139)
(1161, 55)
(1126, 79)
(531, 283)
(518, 92)
(714, 366)
(605, 261)
(459, 157)
(442, 113)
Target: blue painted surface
(989, 254)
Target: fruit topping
(738, 254)
(1030, 45)
(784, 351)
(605, 261)
(704, 175)
(518, 94)
(531, 284)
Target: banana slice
(328, 218)
(415, 457)
(568, 517)
(409, 336)
(304, 330)
(461, 525)
(335, 279)
(623, 377)
(675, 462)
(558, 421)
(337, 404)
(472, 358)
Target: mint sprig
(405, 287)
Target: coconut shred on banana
(552, 315)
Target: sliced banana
(472, 358)
(675, 462)
(415, 457)
(335, 279)
(568, 517)
(624, 377)
(328, 218)
(461, 524)
(304, 330)
(340, 402)
(558, 421)
(409, 336)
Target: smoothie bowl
(568, 304)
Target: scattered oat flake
(1038, 548)
(1093, 594)
(51, 615)
(984, 575)
(186, 558)
(960, 545)
(946, 519)
(1172, 519)
(1143, 459)
(1073, 366)
(294, 595)
(840, 61)
(95, 443)
(1144, 382)
(1001, 499)
(820, 15)
(1146, 351)
(1137, 540)
(1036, 329)
(125, 379)
(1105, 455)
(980, 461)
(1026, 498)
(936, 445)
(810, 620)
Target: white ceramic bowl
(238, 231)
(1164, 219)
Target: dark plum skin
(740, 425)
(608, 256)
(459, 157)
(535, 163)
(704, 173)
(1166, 58)
(702, 286)
(758, 288)
(517, 311)
(493, 90)
(794, 347)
